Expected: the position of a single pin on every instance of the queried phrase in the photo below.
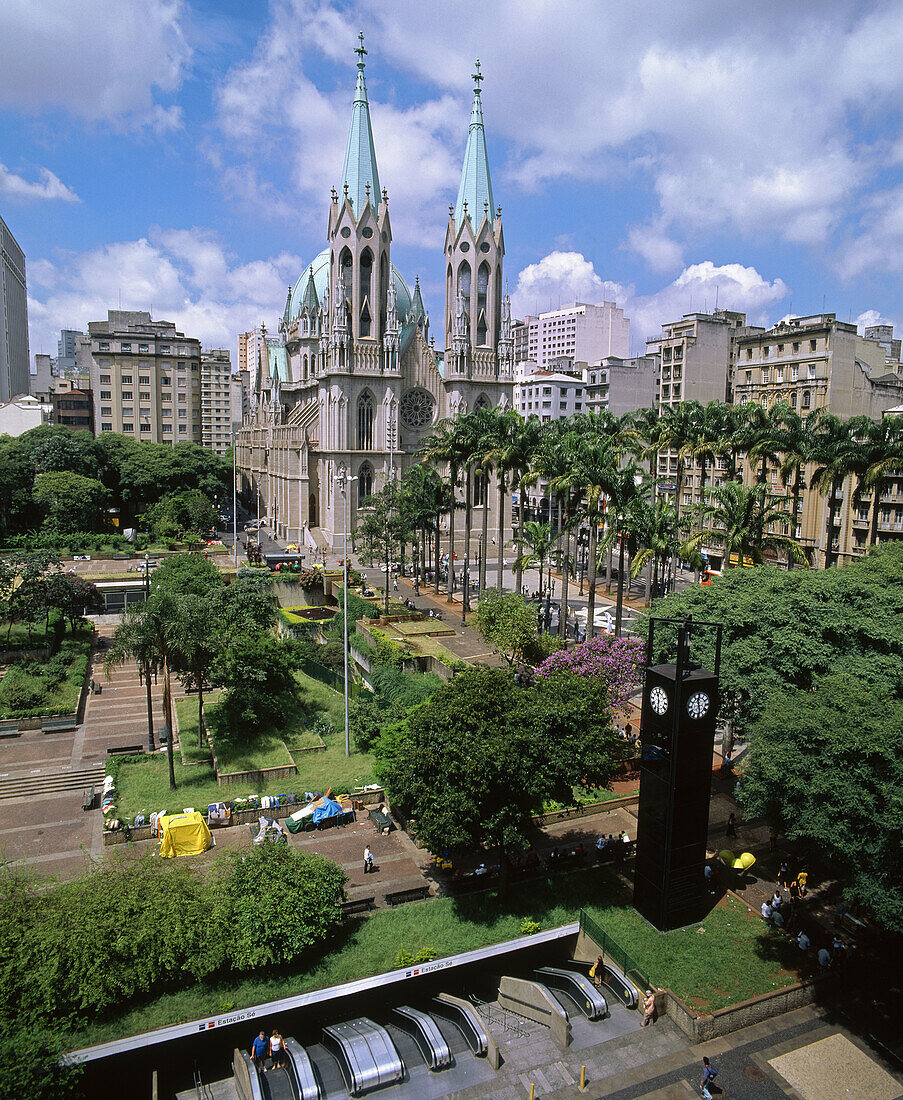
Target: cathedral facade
(352, 383)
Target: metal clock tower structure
(680, 703)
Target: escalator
(573, 990)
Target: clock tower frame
(677, 729)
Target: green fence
(326, 676)
(613, 951)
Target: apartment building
(145, 378)
(581, 332)
(14, 356)
(216, 400)
(549, 395)
(818, 362)
(620, 386)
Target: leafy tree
(71, 502)
(194, 647)
(258, 673)
(507, 623)
(31, 1067)
(183, 574)
(178, 513)
(54, 447)
(741, 520)
(784, 630)
(245, 605)
(72, 596)
(826, 767)
(282, 903)
(384, 526)
(479, 759)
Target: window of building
(748, 377)
(143, 349)
(106, 411)
(796, 346)
(183, 413)
(105, 378)
(182, 398)
(766, 351)
(106, 427)
(164, 349)
(145, 427)
(794, 374)
(125, 347)
(779, 374)
(128, 427)
(105, 395)
(793, 400)
(126, 395)
(813, 344)
(166, 398)
(167, 427)
(810, 370)
(807, 399)
(183, 429)
(126, 379)
(780, 348)
(104, 345)
(765, 374)
(749, 353)
(546, 391)
(143, 379)
(128, 410)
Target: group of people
(273, 1049)
(782, 913)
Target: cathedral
(353, 382)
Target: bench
(125, 750)
(88, 799)
(382, 822)
(359, 905)
(63, 724)
(399, 897)
(9, 728)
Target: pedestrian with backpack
(709, 1073)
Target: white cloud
(17, 188)
(660, 253)
(876, 245)
(564, 277)
(180, 275)
(93, 59)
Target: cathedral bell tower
(477, 314)
(360, 237)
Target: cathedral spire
(360, 178)
(475, 190)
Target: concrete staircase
(37, 782)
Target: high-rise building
(549, 396)
(14, 355)
(352, 382)
(818, 362)
(145, 378)
(620, 386)
(241, 400)
(216, 400)
(67, 351)
(581, 332)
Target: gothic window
(482, 290)
(383, 293)
(366, 276)
(365, 422)
(464, 283)
(364, 483)
(304, 368)
(417, 408)
(482, 402)
(479, 489)
(346, 263)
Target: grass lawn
(144, 781)
(726, 962)
(52, 686)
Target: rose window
(417, 408)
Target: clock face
(658, 699)
(698, 705)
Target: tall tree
(741, 519)
(443, 447)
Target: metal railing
(610, 949)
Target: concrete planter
(710, 1026)
(253, 778)
(588, 810)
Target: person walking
(277, 1050)
(731, 825)
(368, 860)
(709, 1073)
(648, 1008)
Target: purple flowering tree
(619, 661)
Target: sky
(177, 156)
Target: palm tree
(740, 518)
(653, 529)
(443, 445)
(517, 448)
(539, 538)
(427, 498)
(832, 453)
(192, 647)
(880, 455)
(678, 428)
(795, 446)
(135, 639)
(625, 487)
(152, 623)
(486, 430)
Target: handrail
(467, 1019)
(305, 1079)
(609, 947)
(576, 986)
(426, 1034)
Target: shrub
(21, 691)
(529, 927)
(411, 958)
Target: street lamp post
(235, 506)
(345, 478)
(465, 584)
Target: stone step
(27, 785)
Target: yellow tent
(184, 835)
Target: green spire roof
(287, 312)
(476, 186)
(360, 156)
(310, 302)
(417, 313)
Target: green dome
(321, 276)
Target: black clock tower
(680, 702)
